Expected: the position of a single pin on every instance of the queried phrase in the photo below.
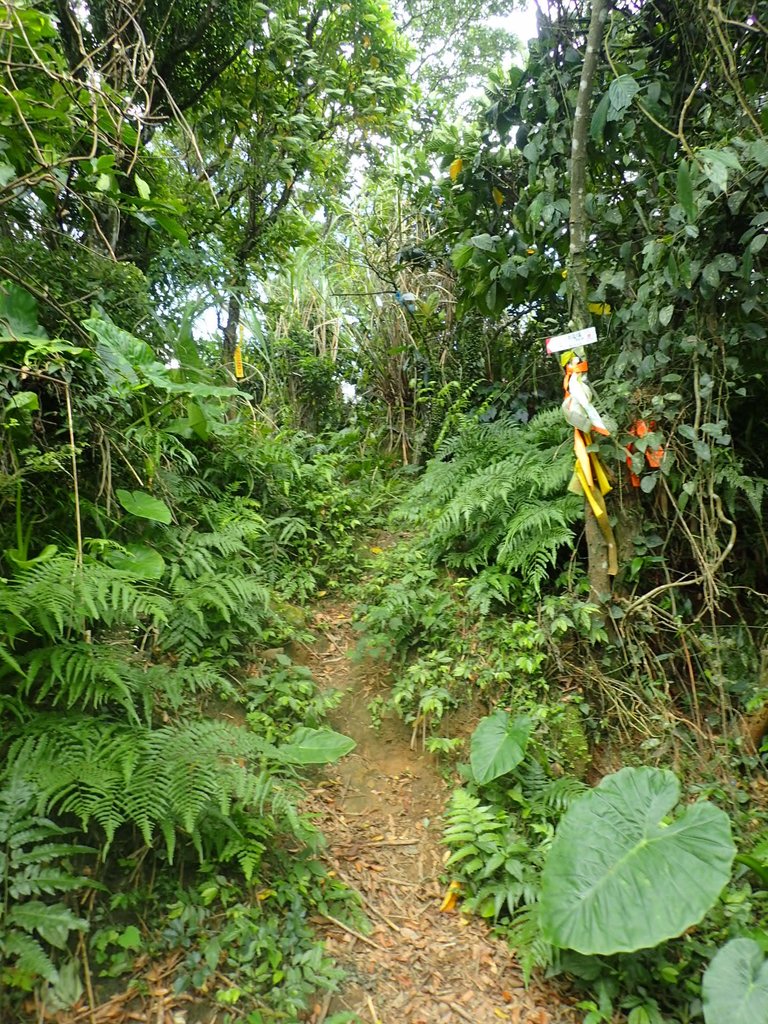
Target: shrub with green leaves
(122, 619)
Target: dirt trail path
(381, 813)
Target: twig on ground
(351, 931)
(324, 1008)
(372, 1008)
(459, 1010)
(367, 902)
(393, 842)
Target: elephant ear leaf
(498, 745)
(621, 875)
(315, 746)
(143, 505)
(735, 985)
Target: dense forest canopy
(275, 276)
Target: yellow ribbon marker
(601, 475)
(451, 897)
(597, 503)
(238, 357)
(583, 461)
(598, 469)
(590, 492)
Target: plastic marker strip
(562, 342)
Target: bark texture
(578, 288)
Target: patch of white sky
(521, 23)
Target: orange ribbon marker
(653, 456)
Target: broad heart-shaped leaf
(498, 745)
(315, 746)
(143, 505)
(139, 560)
(619, 877)
(735, 985)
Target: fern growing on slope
(168, 780)
(495, 494)
(218, 599)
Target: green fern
(221, 610)
(82, 675)
(525, 937)
(496, 495)
(35, 861)
(731, 480)
(166, 780)
(497, 866)
(60, 597)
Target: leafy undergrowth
(137, 822)
(546, 691)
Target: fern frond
(166, 779)
(525, 937)
(60, 596)
(30, 957)
(202, 604)
(561, 793)
(731, 480)
(495, 494)
(72, 673)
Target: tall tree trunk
(229, 339)
(577, 286)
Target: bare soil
(380, 810)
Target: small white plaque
(562, 342)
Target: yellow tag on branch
(238, 357)
(451, 897)
(600, 308)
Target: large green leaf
(315, 746)
(621, 91)
(18, 312)
(129, 362)
(620, 876)
(139, 560)
(498, 745)
(599, 118)
(143, 505)
(735, 985)
(131, 350)
(685, 190)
